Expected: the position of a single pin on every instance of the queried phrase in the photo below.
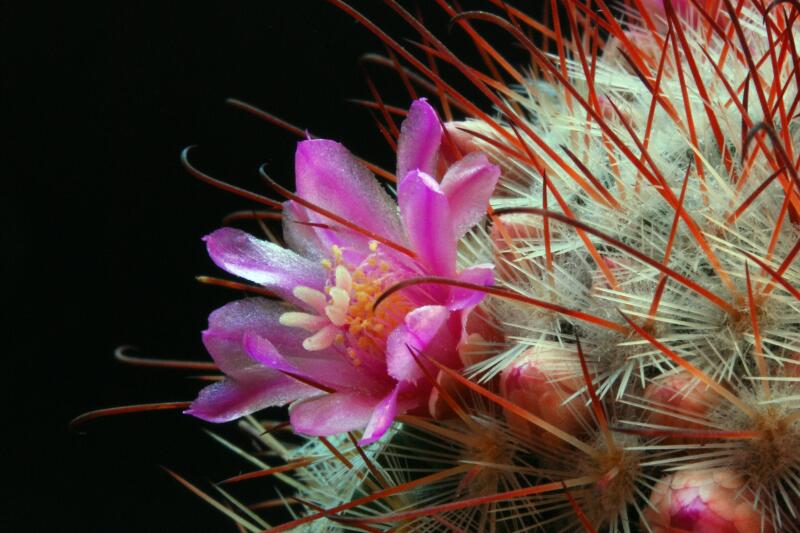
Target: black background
(102, 227)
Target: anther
(312, 297)
(321, 339)
(304, 321)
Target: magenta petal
(263, 351)
(249, 385)
(412, 338)
(426, 215)
(332, 414)
(466, 298)
(420, 137)
(234, 398)
(468, 185)
(326, 368)
(262, 262)
(299, 235)
(227, 326)
(381, 419)
(332, 178)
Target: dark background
(102, 227)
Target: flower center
(345, 315)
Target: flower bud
(540, 381)
(511, 236)
(682, 396)
(792, 369)
(704, 501)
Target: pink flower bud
(792, 370)
(540, 381)
(679, 395)
(508, 234)
(438, 406)
(704, 501)
(458, 142)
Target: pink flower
(354, 364)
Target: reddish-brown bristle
(124, 410)
(548, 250)
(202, 176)
(517, 410)
(378, 495)
(250, 214)
(584, 520)
(590, 247)
(480, 500)
(336, 453)
(121, 355)
(296, 130)
(669, 196)
(236, 285)
(751, 198)
(294, 465)
(699, 435)
(445, 395)
(656, 90)
(597, 406)
(696, 372)
(387, 117)
(502, 293)
(759, 349)
(578, 225)
(384, 483)
(662, 282)
(336, 218)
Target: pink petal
(423, 328)
(301, 236)
(426, 215)
(262, 262)
(227, 326)
(381, 419)
(468, 185)
(249, 385)
(329, 176)
(259, 389)
(420, 137)
(332, 414)
(467, 298)
(327, 367)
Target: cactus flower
(342, 362)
